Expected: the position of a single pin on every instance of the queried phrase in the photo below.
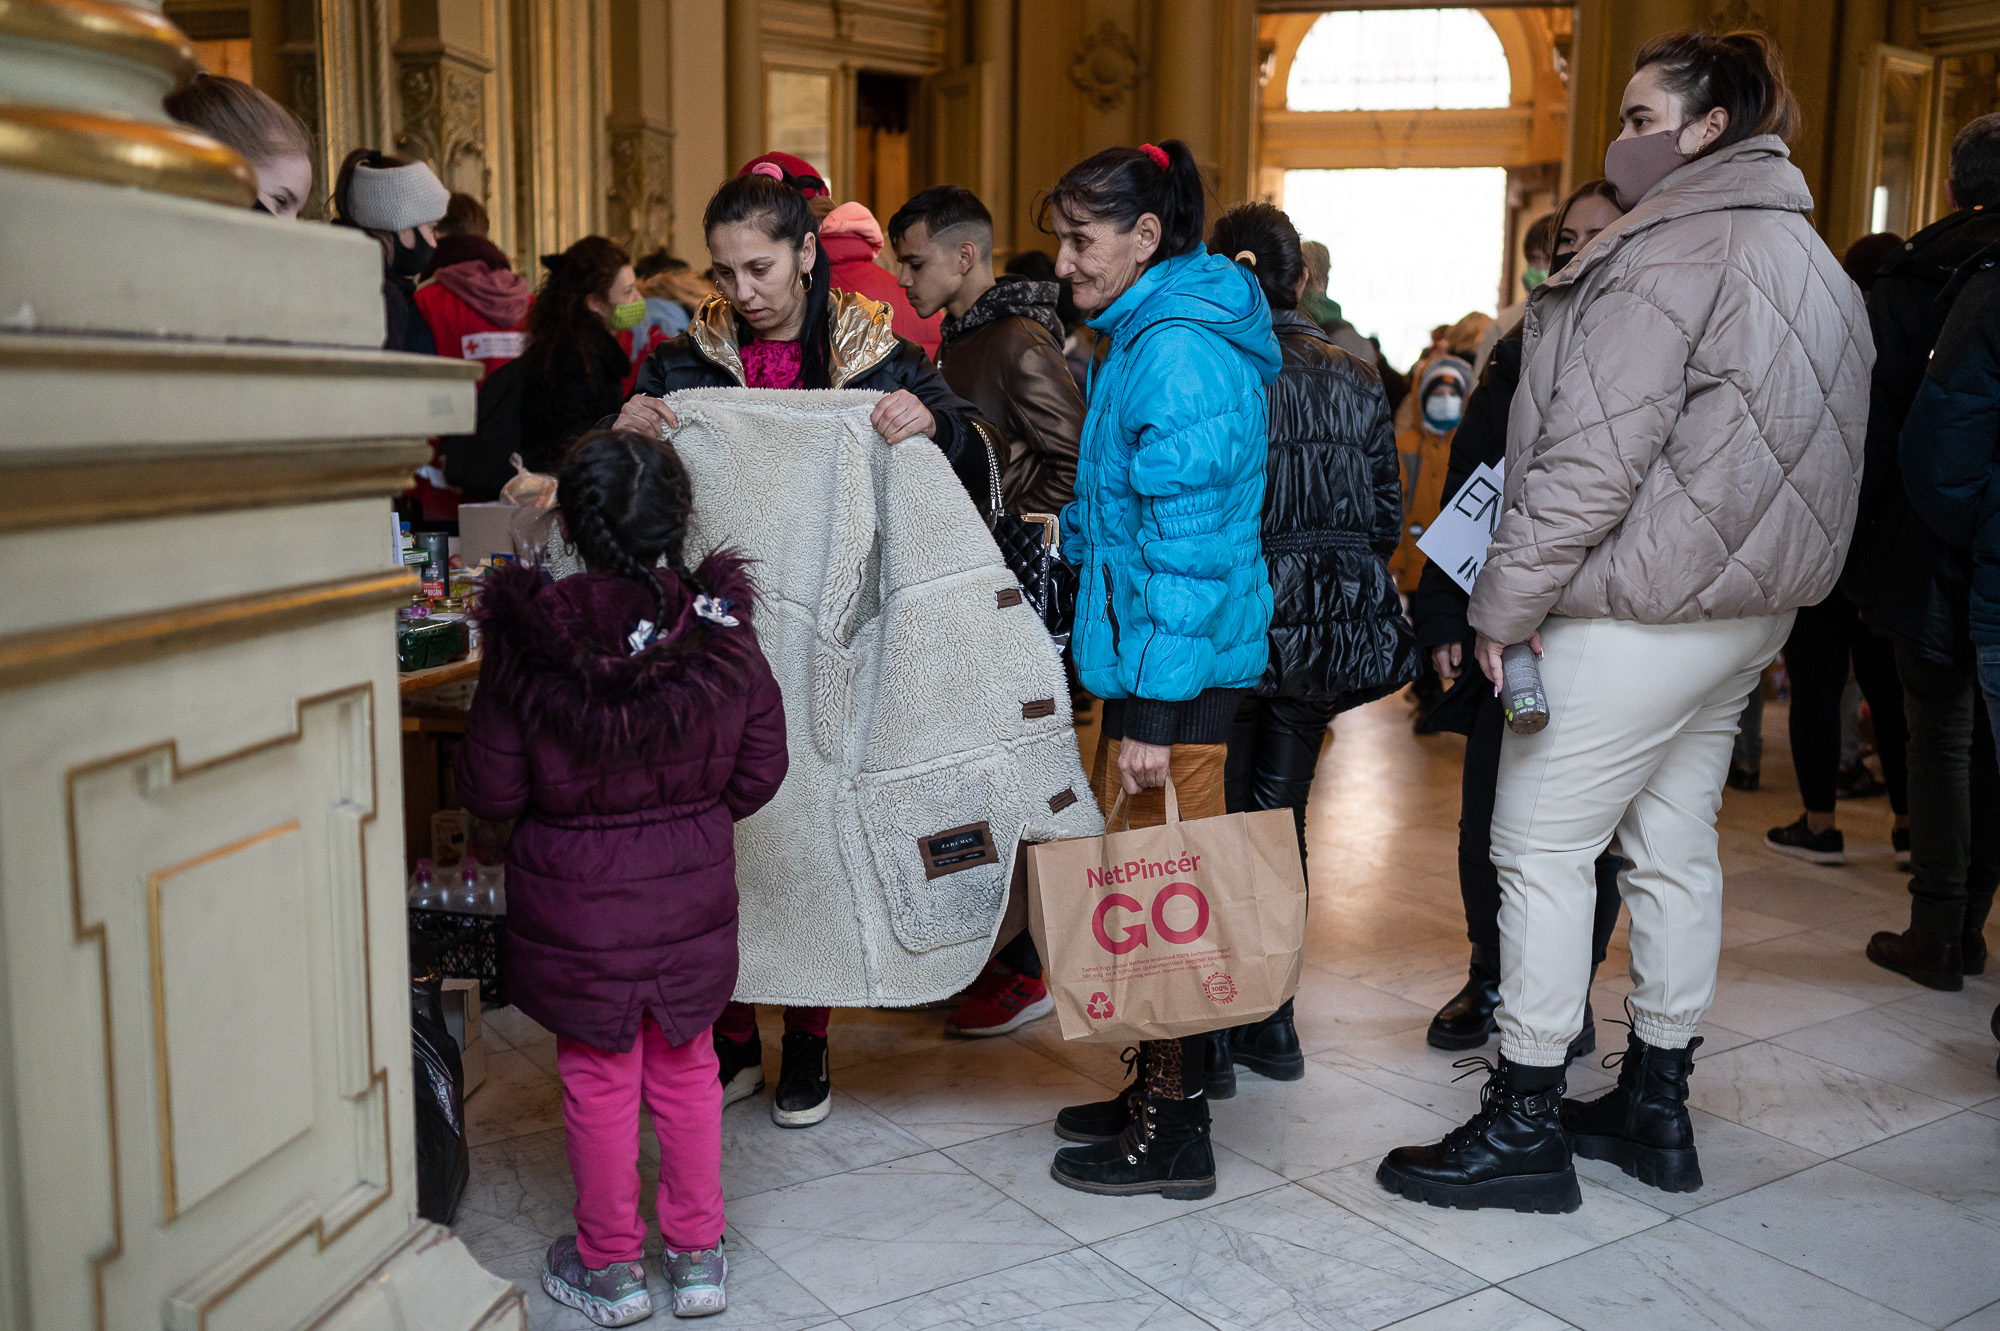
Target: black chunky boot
(1103, 1120)
(1466, 1022)
(1270, 1048)
(1165, 1149)
(1512, 1153)
(1641, 1125)
(1221, 1073)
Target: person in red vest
(475, 305)
(852, 238)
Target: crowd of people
(1723, 451)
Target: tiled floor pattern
(1849, 1124)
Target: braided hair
(625, 501)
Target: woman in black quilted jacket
(1333, 502)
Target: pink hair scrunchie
(771, 169)
(1159, 155)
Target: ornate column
(441, 108)
(205, 1113)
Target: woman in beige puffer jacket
(1683, 461)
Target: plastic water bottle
(467, 897)
(1522, 700)
(493, 889)
(426, 893)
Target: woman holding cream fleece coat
(1683, 461)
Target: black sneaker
(740, 1065)
(1511, 1154)
(805, 1092)
(1802, 843)
(1103, 1120)
(1899, 842)
(1742, 778)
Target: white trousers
(1641, 720)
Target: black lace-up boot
(1270, 1048)
(1511, 1153)
(1641, 1125)
(1221, 1073)
(1164, 1149)
(1103, 1120)
(1466, 1022)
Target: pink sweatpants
(601, 1095)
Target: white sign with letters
(1457, 541)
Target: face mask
(409, 260)
(627, 315)
(1533, 277)
(1443, 411)
(1560, 262)
(1634, 166)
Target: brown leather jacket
(1004, 358)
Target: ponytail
(1263, 239)
(1121, 185)
(1741, 72)
(625, 501)
(782, 210)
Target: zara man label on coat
(959, 849)
(1457, 541)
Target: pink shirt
(771, 364)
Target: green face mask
(1533, 277)
(627, 315)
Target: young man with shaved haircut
(1002, 343)
(1002, 350)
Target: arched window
(1399, 60)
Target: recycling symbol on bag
(1100, 1006)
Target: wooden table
(451, 672)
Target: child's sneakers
(698, 1278)
(613, 1296)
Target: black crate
(461, 946)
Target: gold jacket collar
(862, 335)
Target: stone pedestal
(205, 1113)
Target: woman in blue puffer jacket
(1174, 612)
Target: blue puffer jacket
(1166, 526)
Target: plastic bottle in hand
(1522, 700)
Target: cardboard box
(484, 529)
(461, 1018)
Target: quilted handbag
(1032, 548)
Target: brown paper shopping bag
(1171, 930)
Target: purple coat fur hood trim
(554, 654)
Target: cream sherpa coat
(921, 696)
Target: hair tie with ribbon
(1159, 155)
(1247, 256)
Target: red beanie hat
(803, 175)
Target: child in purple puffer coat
(627, 717)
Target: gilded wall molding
(1107, 65)
(441, 113)
(325, 1224)
(641, 196)
(74, 649)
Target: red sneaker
(1000, 1000)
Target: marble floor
(1849, 1125)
